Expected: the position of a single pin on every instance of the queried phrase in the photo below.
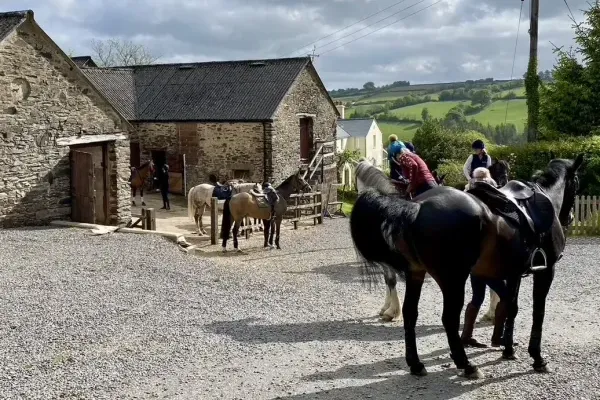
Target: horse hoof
(509, 356)
(133, 203)
(418, 370)
(475, 374)
(224, 249)
(144, 204)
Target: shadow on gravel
(250, 330)
(443, 384)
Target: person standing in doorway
(164, 187)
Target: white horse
(199, 198)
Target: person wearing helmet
(394, 148)
(479, 158)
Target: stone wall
(43, 97)
(209, 148)
(306, 97)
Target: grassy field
(494, 114)
(437, 109)
(404, 130)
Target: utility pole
(313, 55)
(532, 80)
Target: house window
(374, 141)
(241, 174)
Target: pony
(241, 205)
(470, 238)
(138, 179)
(199, 198)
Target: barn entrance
(89, 183)
(306, 139)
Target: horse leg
(512, 308)
(494, 300)
(272, 232)
(278, 225)
(260, 227)
(410, 313)
(454, 298)
(542, 280)
(266, 232)
(391, 308)
(133, 192)
(142, 196)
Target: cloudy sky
(449, 41)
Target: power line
(368, 26)
(570, 12)
(514, 59)
(385, 26)
(339, 30)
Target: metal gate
(83, 195)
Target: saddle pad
(261, 200)
(498, 203)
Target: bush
(436, 144)
(454, 174)
(526, 159)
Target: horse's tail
(191, 204)
(377, 223)
(226, 221)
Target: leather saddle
(524, 206)
(261, 198)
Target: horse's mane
(370, 176)
(286, 181)
(552, 174)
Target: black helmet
(478, 144)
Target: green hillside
(495, 113)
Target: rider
(481, 174)
(271, 196)
(480, 158)
(164, 187)
(393, 150)
(417, 172)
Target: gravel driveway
(128, 316)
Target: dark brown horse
(471, 235)
(500, 171)
(138, 179)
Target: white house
(363, 135)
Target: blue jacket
(395, 148)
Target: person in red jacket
(416, 171)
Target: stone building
(259, 120)
(64, 148)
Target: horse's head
(300, 184)
(500, 171)
(440, 180)
(561, 181)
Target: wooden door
(83, 195)
(306, 139)
(134, 156)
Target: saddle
(524, 206)
(261, 199)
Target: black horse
(500, 171)
(470, 238)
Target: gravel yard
(125, 316)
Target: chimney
(340, 107)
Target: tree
(117, 52)
(369, 86)
(481, 97)
(425, 116)
(571, 103)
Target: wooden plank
(304, 218)
(87, 139)
(214, 220)
(304, 206)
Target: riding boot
(499, 320)
(467, 334)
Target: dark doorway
(306, 139)
(134, 155)
(159, 157)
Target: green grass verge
(404, 130)
(437, 109)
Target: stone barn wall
(227, 150)
(43, 97)
(305, 97)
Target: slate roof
(117, 86)
(10, 20)
(356, 127)
(84, 61)
(231, 91)
(340, 133)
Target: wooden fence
(300, 210)
(587, 216)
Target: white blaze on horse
(199, 198)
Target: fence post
(296, 212)
(151, 219)
(144, 220)
(214, 220)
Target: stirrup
(538, 267)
